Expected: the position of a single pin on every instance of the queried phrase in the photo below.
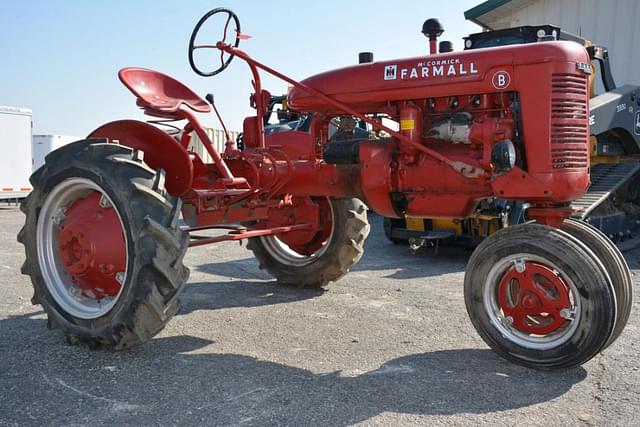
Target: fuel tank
(365, 86)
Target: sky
(61, 57)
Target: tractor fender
(160, 150)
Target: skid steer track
(605, 179)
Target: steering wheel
(224, 63)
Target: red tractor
(104, 243)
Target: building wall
(217, 138)
(611, 23)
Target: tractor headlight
(503, 156)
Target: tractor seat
(159, 92)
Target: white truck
(44, 144)
(15, 161)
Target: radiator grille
(569, 121)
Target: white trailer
(15, 161)
(44, 144)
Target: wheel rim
(285, 254)
(82, 248)
(531, 301)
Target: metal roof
(487, 11)
(15, 110)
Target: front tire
(341, 247)
(615, 264)
(539, 297)
(103, 248)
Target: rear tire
(153, 276)
(539, 297)
(343, 248)
(388, 224)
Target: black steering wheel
(224, 63)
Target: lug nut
(104, 202)
(567, 314)
(120, 277)
(519, 265)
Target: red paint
(534, 298)
(160, 94)
(316, 211)
(160, 150)
(416, 170)
(536, 72)
(363, 85)
(163, 96)
(376, 178)
(249, 233)
(339, 107)
(549, 215)
(411, 120)
(92, 247)
(433, 45)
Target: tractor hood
(366, 86)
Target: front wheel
(103, 248)
(539, 297)
(325, 256)
(615, 264)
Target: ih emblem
(390, 72)
(637, 126)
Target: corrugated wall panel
(609, 23)
(217, 138)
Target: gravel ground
(390, 344)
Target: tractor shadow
(380, 255)
(391, 261)
(633, 259)
(184, 380)
(398, 262)
(394, 261)
(242, 269)
(245, 293)
(249, 287)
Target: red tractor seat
(157, 91)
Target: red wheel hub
(534, 298)
(305, 210)
(92, 247)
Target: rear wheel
(539, 297)
(102, 244)
(316, 259)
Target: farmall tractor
(104, 240)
